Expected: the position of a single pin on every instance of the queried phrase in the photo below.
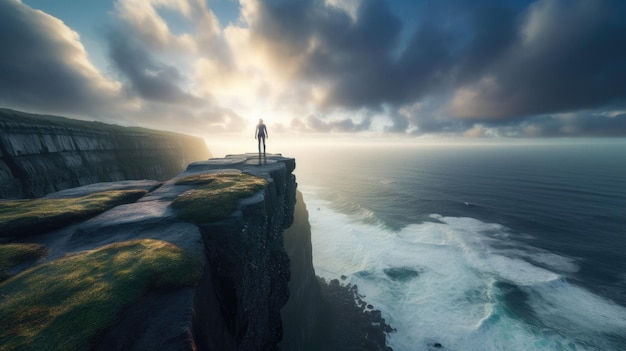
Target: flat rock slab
(148, 185)
(160, 320)
(214, 163)
(252, 163)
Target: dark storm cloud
(399, 123)
(589, 125)
(572, 57)
(495, 60)
(455, 42)
(367, 62)
(147, 77)
(344, 53)
(317, 124)
(43, 66)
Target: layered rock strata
(258, 290)
(43, 154)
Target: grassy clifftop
(69, 302)
(8, 116)
(215, 196)
(27, 217)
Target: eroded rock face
(45, 154)
(258, 290)
(236, 304)
(245, 283)
(304, 314)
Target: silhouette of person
(261, 133)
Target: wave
(462, 283)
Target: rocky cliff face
(43, 154)
(237, 302)
(305, 315)
(258, 289)
(245, 283)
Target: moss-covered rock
(67, 303)
(19, 218)
(14, 254)
(216, 195)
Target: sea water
(477, 247)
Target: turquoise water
(499, 247)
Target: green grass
(216, 196)
(67, 303)
(25, 217)
(13, 254)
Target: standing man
(261, 133)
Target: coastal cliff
(42, 154)
(217, 257)
(244, 285)
(239, 281)
(232, 303)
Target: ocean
(507, 246)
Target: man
(261, 134)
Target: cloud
(361, 58)
(166, 74)
(570, 56)
(495, 61)
(150, 79)
(568, 125)
(147, 25)
(317, 124)
(44, 66)
(449, 67)
(322, 44)
(207, 119)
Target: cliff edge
(171, 281)
(215, 258)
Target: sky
(363, 68)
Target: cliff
(233, 303)
(150, 273)
(244, 287)
(304, 315)
(42, 154)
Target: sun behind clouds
(402, 68)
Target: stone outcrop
(258, 290)
(244, 287)
(43, 154)
(236, 304)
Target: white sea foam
(569, 306)
(452, 295)
(549, 260)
